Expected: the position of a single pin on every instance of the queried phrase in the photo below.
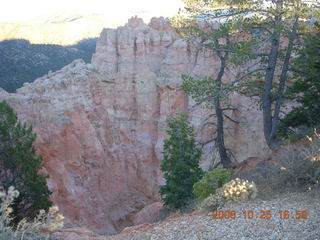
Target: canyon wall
(100, 127)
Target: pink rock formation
(101, 126)
(76, 233)
(149, 214)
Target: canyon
(101, 126)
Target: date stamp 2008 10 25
(259, 214)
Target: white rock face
(101, 126)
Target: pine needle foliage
(19, 167)
(180, 163)
(306, 88)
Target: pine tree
(264, 36)
(19, 167)
(306, 87)
(180, 163)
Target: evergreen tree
(180, 163)
(19, 167)
(306, 88)
(267, 34)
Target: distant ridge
(21, 61)
(30, 49)
(61, 29)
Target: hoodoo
(100, 126)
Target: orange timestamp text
(259, 214)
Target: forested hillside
(30, 49)
(22, 61)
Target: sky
(118, 10)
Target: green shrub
(211, 182)
(293, 137)
(19, 167)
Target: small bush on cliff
(211, 182)
(19, 167)
(180, 163)
(295, 167)
(213, 201)
(237, 190)
(300, 166)
(41, 228)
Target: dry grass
(40, 228)
(295, 168)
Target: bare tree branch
(216, 16)
(207, 142)
(210, 116)
(229, 108)
(245, 75)
(208, 123)
(231, 119)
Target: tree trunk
(225, 159)
(282, 83)
(268, 83)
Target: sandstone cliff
(101, 126)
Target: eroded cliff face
(100, 127)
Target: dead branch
(231, 119)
